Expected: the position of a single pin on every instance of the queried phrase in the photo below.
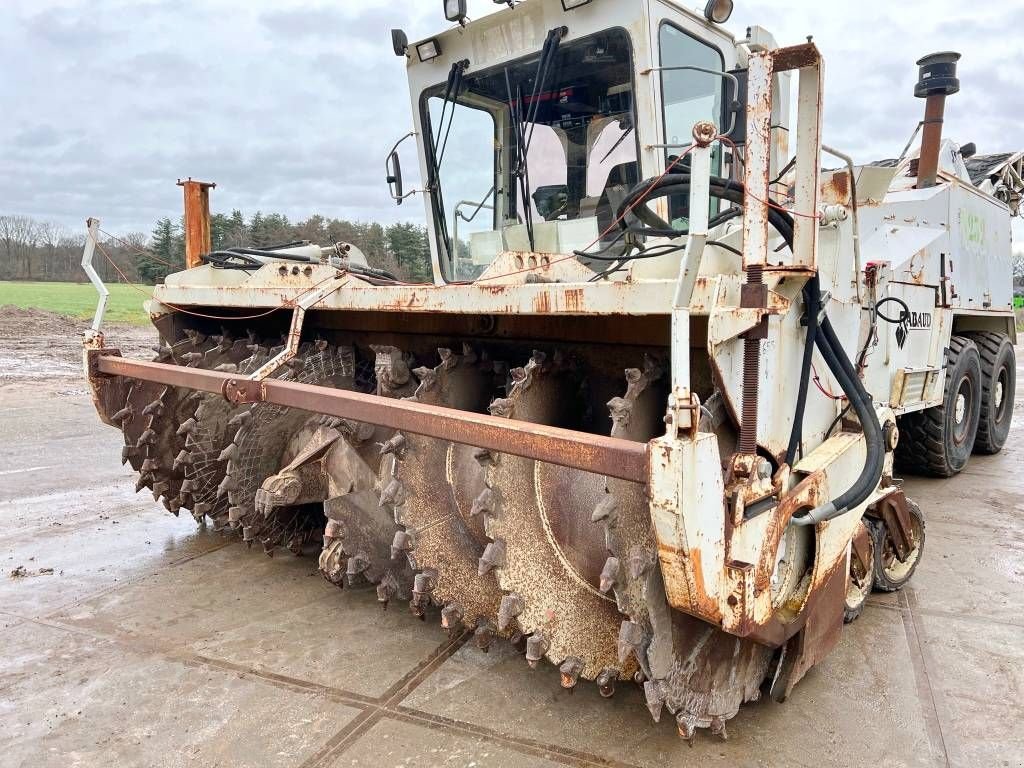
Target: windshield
(535, 155)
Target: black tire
(890, 574)
(938, 441)
(860, 581)
(998, 382)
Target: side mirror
(734, 108)
(399, 42)
(394, 168)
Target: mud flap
(815, 641)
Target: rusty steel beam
(197, 220)
(599, 454)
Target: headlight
(718, 11)
(428, 49)
(455, 10)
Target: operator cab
(534, 123)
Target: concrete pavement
(156, 644)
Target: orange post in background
(197, 220)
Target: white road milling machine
(646, 419)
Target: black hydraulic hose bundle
(812, 306)
(822, 336)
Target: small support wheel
(862, 572)
(892, 573)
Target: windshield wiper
(625, 134)
(521, 121)
(438, 145)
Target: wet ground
(129, 638)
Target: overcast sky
(291, 106)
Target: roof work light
(718, 11)
(455, 10)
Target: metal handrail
(93, 226)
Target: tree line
(39, 250)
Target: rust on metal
(895, 513)
(568, 448)
(931, 140)
(197, 220)
(836, 189)
(796, 57)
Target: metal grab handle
(94, 278)
(457, 212)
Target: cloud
(292, 107)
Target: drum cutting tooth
(159, 489)
(484, 634)
(610, 574)
(128, 452)
(187, 427)
(440, 486)
(229, 483)
(146, 438)
(494, 556)
(511, 607)
(553, 554)
(150, 465)
(144, 481)
(387, 589)
(401, 545)
(537, 646)
(125, 414)
(422, 593)
(654, 695)
(394, 445)
(393, 494)
(570, 671)
(182, 460)
(632, 640)
(606, 682)
(452, 616)
(155, 408)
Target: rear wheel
(998, 383)
(892, 573)
(938, 441)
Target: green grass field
(76, 300)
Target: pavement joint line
(337, 744)
(946, 720)
(925, 691)
(563, 755)
(374, 709)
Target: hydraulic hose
(841, 367)
(822, 336)
(812, 305)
